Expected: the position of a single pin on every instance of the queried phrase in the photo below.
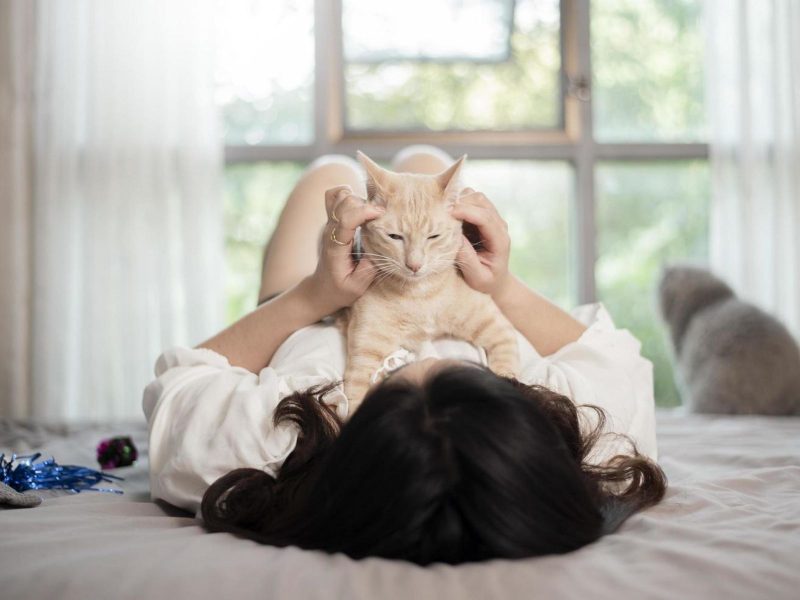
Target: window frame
(573, 142)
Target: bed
(728, 528)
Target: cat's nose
(414, 266)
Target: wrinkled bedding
(728, 528)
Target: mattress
(729, 528)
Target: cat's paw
(505, 368)
(355, 393)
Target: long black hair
(465, 467)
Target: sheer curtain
(16, 83)
(119, 230)
(754, 100)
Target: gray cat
(731, 357)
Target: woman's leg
(292, 251)
(428, 160)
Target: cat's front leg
(366, 349)
(478, 320)
(357, 381)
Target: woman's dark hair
(464, 467)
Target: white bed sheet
(728, 528)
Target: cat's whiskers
(380, 270)
(383, 261)
(382, 266)
(384, 272)
(381, 258)
(378, 255)
(445, 263)
(476, 244)
(385, 265)
(381, 276)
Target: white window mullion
(577, 58)
(327, 75)
(652, 151)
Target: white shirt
(207, 417)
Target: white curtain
(116, 214)
(16, 84)
(753, 74)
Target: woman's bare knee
(335, 159)
(335, 169)
(421, 158)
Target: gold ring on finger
(335, 241)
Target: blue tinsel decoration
(48, 475)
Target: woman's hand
(252, 341)
(485, 268)
(484, 265)
(338, 280)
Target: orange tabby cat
(418, 294)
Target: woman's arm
(337, 282)
(546, 326)
(252, 340)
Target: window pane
(377, 33)
(254, 196)
(648, 214)
(535, 198)
(403, 80)
(265, 71)
(647, 57)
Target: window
(265, 71)
(584, 122)
(501, 71)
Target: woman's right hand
(484, 268)
(338, 280)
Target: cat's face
(416, 236)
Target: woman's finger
(334, 195)
(477, 215)
(354, 212)
(340, 234)
(478, 199)
(491, 228)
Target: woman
(444, 461)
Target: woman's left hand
(338, 280)
(484, 269)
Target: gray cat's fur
(731, 357)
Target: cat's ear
(450, 180)
(377, 178)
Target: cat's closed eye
(395, 236)
(434, 236)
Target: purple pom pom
(116, 452)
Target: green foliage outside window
(648, 214)
(520, 93)
(254, 196)
(647, 65)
